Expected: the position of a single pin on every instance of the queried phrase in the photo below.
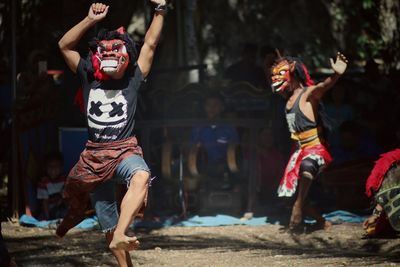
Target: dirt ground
(207, 246)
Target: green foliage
(312, 29)
(371, 29)
(296, 27)
(367, 4)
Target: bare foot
(296, 219)
(321, 225)
(327, 226)
(133, 246)
(124, 242)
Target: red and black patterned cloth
(97, 164)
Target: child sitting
(50, 188)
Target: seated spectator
(247, 69)
(355, 143)
(50, 188)
(35, 86)
(215, 138)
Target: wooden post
(179, 33)
(15, 177)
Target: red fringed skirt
(318, 152)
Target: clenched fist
(159, 2)
(98, 11)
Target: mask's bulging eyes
(108, 47)
(282, 72)
(116, 48)
(100, 49)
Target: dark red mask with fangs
(110, 59)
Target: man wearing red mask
(290, 79)
(111, 77)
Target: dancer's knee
(140, 177)
(132, 170)
(309, 169)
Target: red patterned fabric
(96, 164)
(287, 187)
(382, 165)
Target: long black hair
(300, 73)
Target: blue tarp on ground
(336, 217)
(220, 220)
(25, 220)
(342, 216)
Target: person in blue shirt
(215, 138)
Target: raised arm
(151, 39)
(339, 67)
(69, 41)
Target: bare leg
(297, 210)
(123, 258)
(130, 206)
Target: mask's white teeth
(108, 63)
(277, 83)
(107, 69)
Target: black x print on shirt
(117, 110)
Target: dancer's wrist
(337, 74)
(90, 21)
(161, 8)
(377, 212)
